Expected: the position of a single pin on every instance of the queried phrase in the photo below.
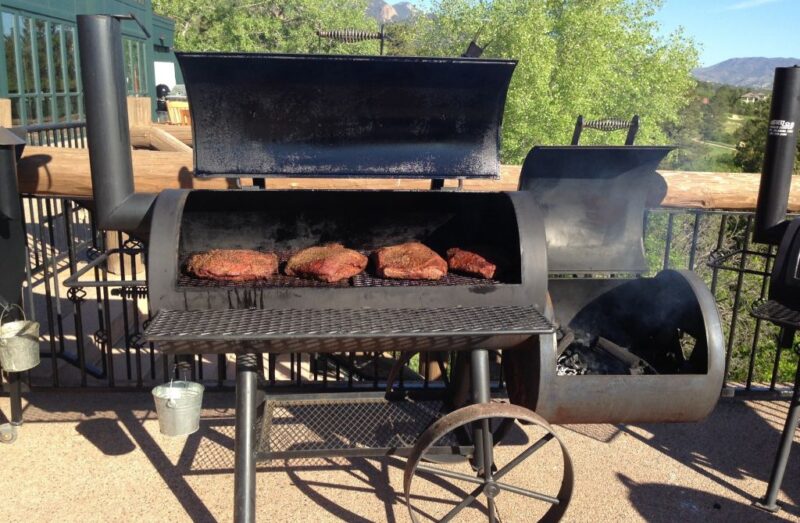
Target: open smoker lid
(593, 199)
(345, 116)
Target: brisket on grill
(233, 265)
(409, 261)
(329, 263)
(471, 263)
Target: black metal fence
(92, 335)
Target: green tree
(752, 139)
(599, 58)
(287, 26)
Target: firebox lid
(284, 115)
(594, 199)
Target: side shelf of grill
(344, 330)
(778, 314)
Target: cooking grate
(186, 280)
(262, 324)
(778, 314)
(343, 423)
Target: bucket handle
(9, 308)
(182, 372)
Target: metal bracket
(131, 16)
(75, 281)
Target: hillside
(755, 72)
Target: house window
(135, 70)
(41, 70)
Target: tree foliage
(598, 58)
(287, 26)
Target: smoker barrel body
(302, 315)
(647, 315)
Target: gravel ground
(89, 456)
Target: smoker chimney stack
(779, 154)
(117, 206)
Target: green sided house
(40, 63)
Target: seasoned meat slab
(329, 263)
(409, 261)
(233, 265)
(471, 263)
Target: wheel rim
(490, 485)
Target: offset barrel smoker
(771, 227)
(12, 260)
(334, 116)
(593, 200)
(339, 116)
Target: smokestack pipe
(779, 154)
(117, 206)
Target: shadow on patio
(101, 455)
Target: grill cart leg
(244, 485)
(15, 395)
(482, 436)
(488, 482)
(769, 502)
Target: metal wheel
(8, 433)
(487, 485)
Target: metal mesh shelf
(778, 314)
(270, 324)
(345, 425)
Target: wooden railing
(65, 172)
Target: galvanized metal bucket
(178, 406)
(19, 343)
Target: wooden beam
(181, 132)
(139, 111)
(65, 172)
(5, 112)
(152, 137)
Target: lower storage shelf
(346, 425)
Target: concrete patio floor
(91, 456)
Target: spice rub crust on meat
(236, 265)
(409, 261)
(329, 263)
(471, 263)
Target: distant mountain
(754, 72)
(385, 12)
(405, 10)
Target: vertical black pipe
(12, 241)
(482, 436)
(103, 75)
(779, 155)
(244, 478)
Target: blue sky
(736, 28)
(730, 28)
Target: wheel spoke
(449, 474)
(467, 501)
(525, 455)
(528, 493)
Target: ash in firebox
(580, 354)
